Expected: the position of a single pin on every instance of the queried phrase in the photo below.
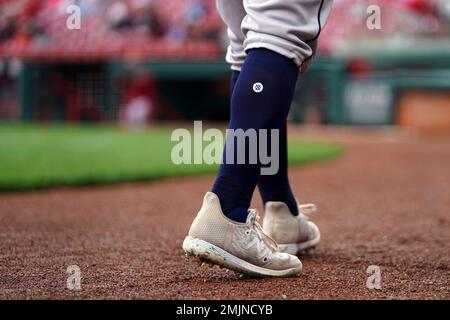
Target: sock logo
(258, 87)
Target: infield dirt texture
(386, 202)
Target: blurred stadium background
(140, 61)
(149, 63)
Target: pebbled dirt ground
(385, 203)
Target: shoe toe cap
(295, 262)
(282, 260)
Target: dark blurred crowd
(18, 19)
(175, 20)
(42, 21)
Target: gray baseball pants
(288, 27)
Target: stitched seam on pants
(317, 35)
(319, 22)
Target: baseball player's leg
(253, 107)
(225, 231)
(291, 29)
(279, 39)
(233, 13)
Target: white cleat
(294, 234)
(242, 247)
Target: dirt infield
(385, 203)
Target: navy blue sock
(273, 187)
(240, 213)
(253, 108)
(234, 78)
(276, 187)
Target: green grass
(33, 157)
